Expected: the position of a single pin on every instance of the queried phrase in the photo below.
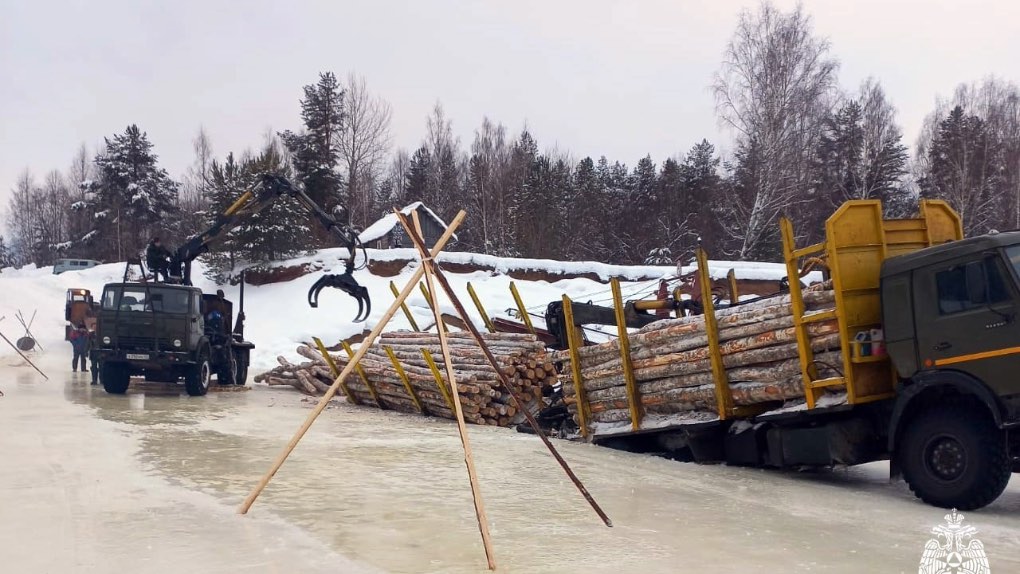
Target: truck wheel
(241, 360)
(196, 379)
(954, 457)
(115, 378)
(228, 371)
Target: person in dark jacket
(93, 357)
(157, 258)
(80, 345)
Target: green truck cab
(166, 333)
(950, 314)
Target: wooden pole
(504, 381)
(362, 350)
(476, 493)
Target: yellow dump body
(857, 240)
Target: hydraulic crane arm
(259, 197)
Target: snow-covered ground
(150, 483)
(279, 318)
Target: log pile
(521, 356)
(672, 365)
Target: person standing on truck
(79, 344)
(156, 257)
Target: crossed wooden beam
(430, 270)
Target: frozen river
(151, 482)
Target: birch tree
(364, 143)
(773, 89)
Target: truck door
(196, 324)
(966, 315)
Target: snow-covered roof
(387, 222)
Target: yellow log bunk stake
(731, 278)
(331, 392)
(520, 308)
(439, 379)
(481, 310)
(427, 295)
(364, 377)
(633, 398)
(574, 343)
(403, 377)
(723, 393)
(403, 307)
(333, 369)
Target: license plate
(137, 357)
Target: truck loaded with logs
(908, 350)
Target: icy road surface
(150, 483)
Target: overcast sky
(596, 77)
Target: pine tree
(133, 197)
(585, 209)
(278, 232)
(418, 175)
(702, 189)
(315, 153)
(962, 160)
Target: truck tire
(196, 378)
(954, 457)
(115, 378)
(227, 373)
(241, 360)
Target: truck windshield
(158, 299)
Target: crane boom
(256, 199)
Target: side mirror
(977, 283)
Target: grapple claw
(347, 284)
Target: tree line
(801, 145)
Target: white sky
(596, 77)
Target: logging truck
(908, 352)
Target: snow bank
(279, 318)
(717, 269)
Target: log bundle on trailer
(671, 361)
(413, 388)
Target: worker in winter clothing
(156, 257)
(93, 357)
(80, 345)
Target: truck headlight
(106, 340)
(177, 342)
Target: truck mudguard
(961, 382)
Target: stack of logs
(483, 400)
(672, 366)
